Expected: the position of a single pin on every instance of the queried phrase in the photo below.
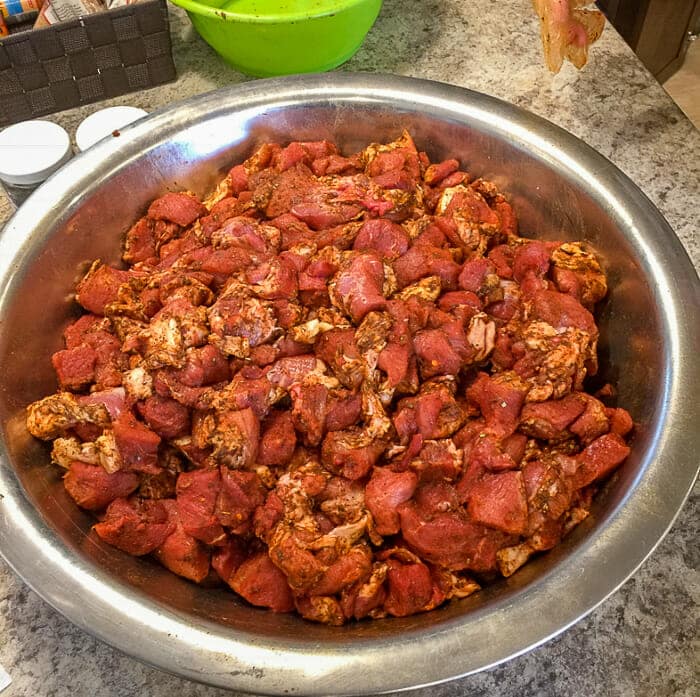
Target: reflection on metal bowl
(560, 188)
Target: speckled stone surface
(644, 639)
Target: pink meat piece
(253, 393)
(343, 411)
(435, 526)
(220, 212)
(180, 552)
(514, 446)
(600, 458)
(498, 501)
(385, 492)
(620, 421)
(502, 257)
(288, 347)
(395, 361)
(238, 179)
(472, 207)
(220, 263)
(593, 422)
(507, 217)
(92, 488)
(474, 273)
(99, 288)
(531, 258)
(341, 454)
(350, 568)
(389, 240)
(320, 211)
(172, 251)
(245, 426)
(275, 279)
(261, 583)
(168, 418)
(335, 348)
(561, 310)
(113, 400)
(205, 365)
(359, 604)
(140, 242)
(136, 526)
(436, 462)
(75, 367)
(436, 356)
(302, 152)
(433, 414)
(278, 440)
(359, 286)
(79, 332)
(335, 164)
(309, 407)
(435, 173)
(243, 233)
(288, 371)
(459, 299)
(166, 384)
(137, 444)
(425, 260)
(410, 588)
(197, 494)
(484, 453)
(241, 493)
(182, 209)
(549, 420)
(293, 230)
(227, 558)
(432, 236)
(500, 403)
(267, 517)
(109, 360)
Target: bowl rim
(330, 8)
(595, 569)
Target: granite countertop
(642, 640)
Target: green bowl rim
(334, 6)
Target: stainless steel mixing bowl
(560, 189)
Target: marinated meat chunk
(168, 418)
(600, 457)
(341, 384)
(387, 239)
(498, 501)
(136, 526)
(92, 488)
(197, 495)
(358, 288)
(75, 367)
(386, 491)
(241, 493)
(137, 444)
(350, 453)
(182, 209)
(278, 440)
(261, 583)
(549, 420)
(410, 588)
(180, 552)
(99, 287)
(434, 413)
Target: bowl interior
(78, 217)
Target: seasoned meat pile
(341, 385)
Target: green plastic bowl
(282, 37)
